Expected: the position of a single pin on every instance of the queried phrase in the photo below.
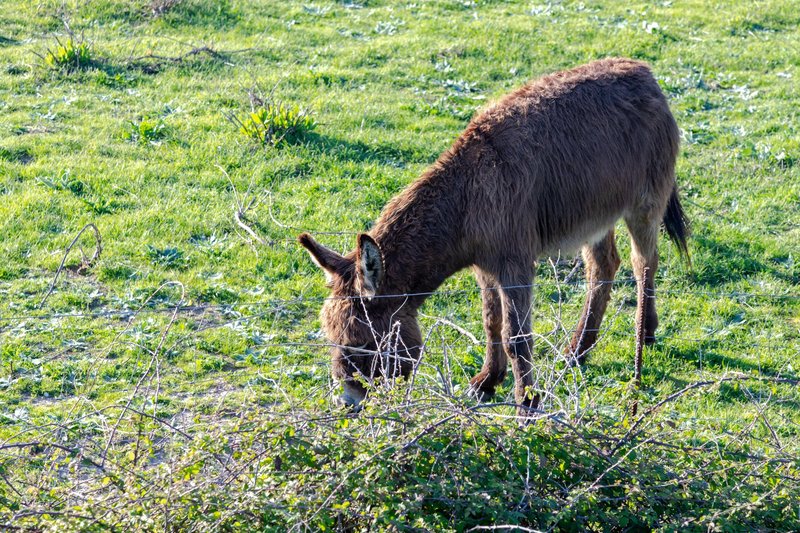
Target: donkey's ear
(332, 263)
(370, 265)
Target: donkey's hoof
(528, 406)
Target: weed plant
(275, 123)
(69, 55)
(145, 131)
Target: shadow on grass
(703, 355)
(731, 260)
(361, 152)
(624, 367)
(212, 14)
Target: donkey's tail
(677, 225)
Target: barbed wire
(281, 304)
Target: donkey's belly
(569, 245)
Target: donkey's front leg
(602, 261)
(495, 363)
(515, 293)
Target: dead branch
(154, 359)
(86, 263)
(238, 215)
(441, 320)
(240, 207)
(505, 527)
(632, 432)
(72, 451)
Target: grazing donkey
(546, 170)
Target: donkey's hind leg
(602, 262)
(644, 256)
(495, 364)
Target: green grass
(136, 140)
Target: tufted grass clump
(145, 131)
(275, 123)
(70, 55)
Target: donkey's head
(371, 334)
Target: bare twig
(634, 429)
(146, 373)
(95, 257)
(505, 527)
(73, 451)
(240, 206)
(238, 214)
(441, 320)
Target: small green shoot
(145, 131)
(166, 257)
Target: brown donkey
(546, 170)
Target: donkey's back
(557, 162)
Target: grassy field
(179, 381)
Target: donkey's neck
(420, 233)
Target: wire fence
(280, 303)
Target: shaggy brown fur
(548, 169)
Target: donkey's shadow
(720, 261)
(361, 152)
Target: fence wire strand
(280, 304)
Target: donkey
(548, 169)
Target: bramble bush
(421, 462)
